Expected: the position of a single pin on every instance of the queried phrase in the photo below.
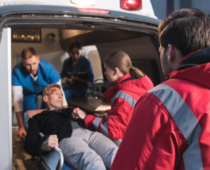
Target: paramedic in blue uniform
(29, 78)
(75, 86)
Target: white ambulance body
(115, 5)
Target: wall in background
(159, 7)
(48, 50)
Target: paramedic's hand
(22, 131)
(50, 142)
(78, 114)
(76, 78)
(70, 80)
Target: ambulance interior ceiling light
(84, 2)
(131, 4)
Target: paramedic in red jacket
(129, 84)
(170, 127)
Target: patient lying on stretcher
(82, 148)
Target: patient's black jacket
(49, 122)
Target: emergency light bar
(94, 10)
(131, 4)
(84, 2)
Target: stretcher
(54, 160)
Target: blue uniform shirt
(83, 65)
(21, 77)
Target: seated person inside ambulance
(76, 73)
(29, 78)
(129, 85)
(82, 148)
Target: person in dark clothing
(73, 84)
(82, 148)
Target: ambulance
(102, 26)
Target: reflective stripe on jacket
(186, 121)
(168, 139)
(104, 128)
(122, 97)
(170, 127)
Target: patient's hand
(50, 142)
(78, 114)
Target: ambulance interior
(97, 41)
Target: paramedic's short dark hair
(187, 29)
(75, 44)
(46, 91)
(28, 52)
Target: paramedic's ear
(116, 71)
(174, 55)
(38, 58)
(171, 52)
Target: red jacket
(170, 127)
(122, 97)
